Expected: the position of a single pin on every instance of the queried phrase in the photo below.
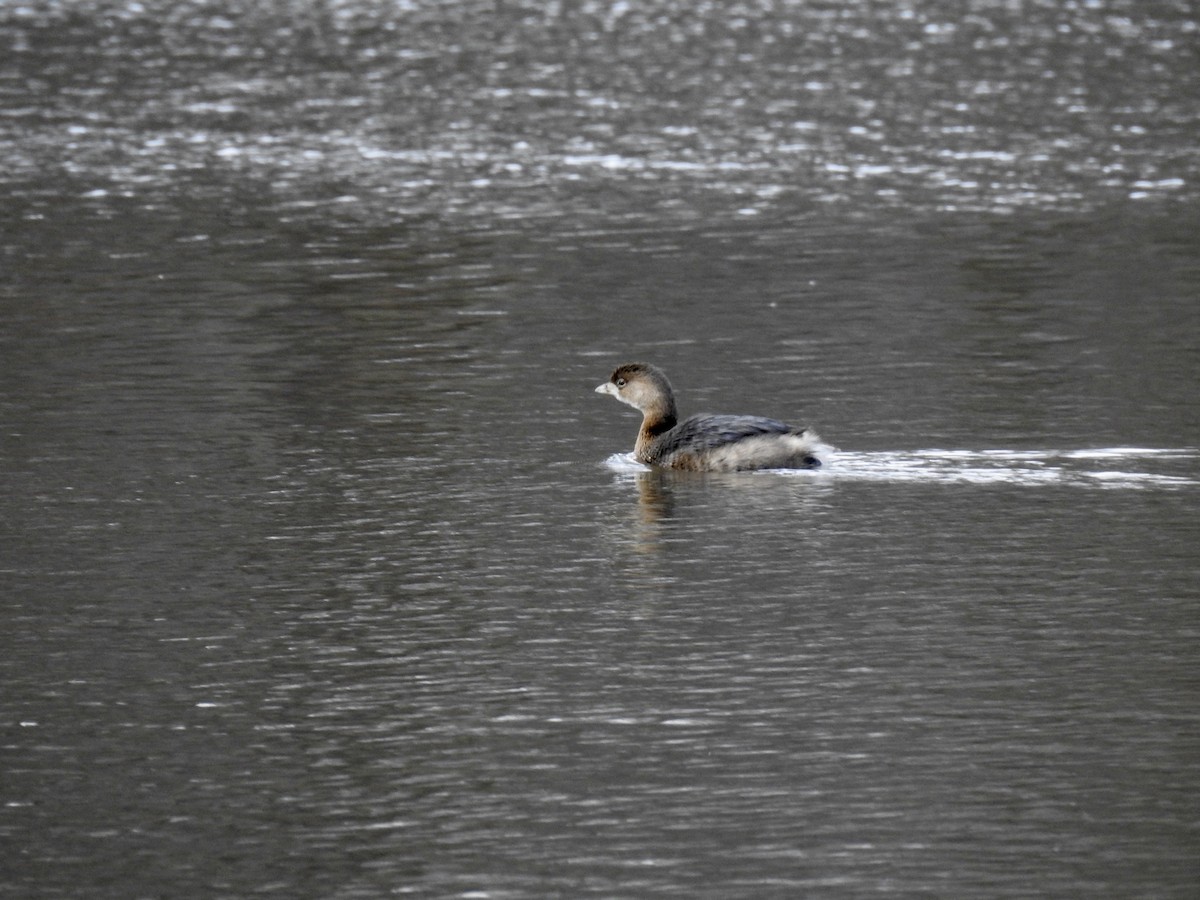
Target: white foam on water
(1129, 468)
(625, 464)
(1112, 467)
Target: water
(325, 572)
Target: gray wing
(705, 432)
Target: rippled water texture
(325, 573)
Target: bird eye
(620, 382)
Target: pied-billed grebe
(705, 443)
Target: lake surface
(324, 572)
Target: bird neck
(659, 419)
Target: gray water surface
(324, 572)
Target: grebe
(705, 443)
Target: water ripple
(1113, 467)
(1109, 467)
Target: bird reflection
(656, 507)
(670, 503)
(656, 499)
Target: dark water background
(322, 572)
